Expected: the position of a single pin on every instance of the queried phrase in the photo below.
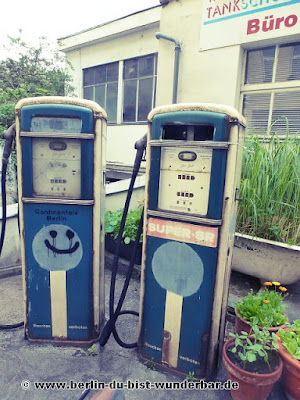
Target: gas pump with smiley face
(61, 163)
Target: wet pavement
(23, 363)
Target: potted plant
(112, 226)
(289, 350)
(267, 241)
(265, 308)
(252, 360)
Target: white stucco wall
(128, 37)
(207, 76)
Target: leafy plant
(191, 377)
(291, 339)
(113, 222)
(250, 346)
(91, 351)
(264, 308)
(150, 364)
(39, 70)
(270, 189)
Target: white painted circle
(49, 243)
(178, 268)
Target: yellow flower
(266, 301)
(276, 283)
(268, 283)
(282, 288)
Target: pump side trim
(184, 217)
(57, 201)
(58, 135)
(186, 143)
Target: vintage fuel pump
(194, 154)
(61, 183)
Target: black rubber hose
(109, 327)
(9, 135)
(84, 394)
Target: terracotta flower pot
(251, 385)
(290, 374)
(242, 324)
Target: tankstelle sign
(231, 22)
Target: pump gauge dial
(56, 167)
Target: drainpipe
(160, 35)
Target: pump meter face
(185, 180)
(56, 167)
(56, 162)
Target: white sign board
(231, 22)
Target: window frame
(138, 79)
(120, 89)
(271, 88)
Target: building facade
(243, 53)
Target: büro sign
(269, 23)
(228, 23)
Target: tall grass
(270, 189)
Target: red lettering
(291, 20)
(278, 22)
(253, 26)
(236, 5)
(209, 10)
(270, 24)
(217, 11)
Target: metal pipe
(177, 49)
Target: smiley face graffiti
(70, 235)
(57, 248)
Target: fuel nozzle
(9, 136)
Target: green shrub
(113, 222)
(270, 189)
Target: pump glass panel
(56, 167)
(185, 179)
(188, 132)
(55, 124)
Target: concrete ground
(22, 363)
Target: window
(136, 87)
(101, 85)
(271, 90)
(139, 88)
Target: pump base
(164, 368)
(65, 342)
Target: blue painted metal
(196, 308)
(61, 218)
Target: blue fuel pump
(194, 154)
(61, 156)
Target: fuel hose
(110, 326)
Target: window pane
(286, 112)
(130, 68)
(288, 63)
(111, 101)
(259, 68)
(100, 95)
(100, 74)
(88, 76)
(129, 103)
(145, 98)
(146, 66)
(112, 72)
(88, 93)
(256, 110)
